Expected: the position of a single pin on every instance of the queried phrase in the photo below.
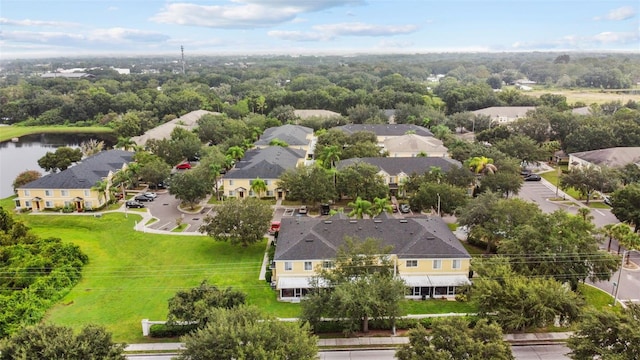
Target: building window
(48, 193)
(251, 193)
(27, 204)
(48, 204)
(232, 193)
(67, 203)
(266, 182)
(230, 182)
(415, 291)
(17, 202)
(327, 264)
(288, 266)
(88, 205)
(437, 264)
(27, 193)
(87, 193)
(412, 263)
(307, 266)
(269, 193)
(64, 192)
(455, 264)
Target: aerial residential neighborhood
(316, 211)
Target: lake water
(16, 157)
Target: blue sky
(39, 28)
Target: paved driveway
(165, 209)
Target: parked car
(142, 197)
(607, 200)
(194, 158)
(325, 209)
(134, 204)
(394, 208)
(150, 195)
(303, 209)
(183, 166)
(532, 177)
(525, 172)
(405, 208)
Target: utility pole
(182, 51)
(438, 204)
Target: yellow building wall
(231, 187)
(425, 267)
(58, 197)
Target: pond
(16, 157)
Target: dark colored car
(142, 197)
(194, 158)
(134, 204)
(325, 209)
(405, 208)
(533, 177)
(183, 166)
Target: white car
(150, 195)
(303, 209)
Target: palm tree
(585, 212)
(236, 152)
(330, 155)
(101, 187)
(258, 186)
(125, 143)
(607, 230)
(380, 205)
(91, 147)
(631, 242)
(620, 231)
(482, 165)
(359, 208)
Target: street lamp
(616, 285)
(438, 203)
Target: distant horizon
(177, 54)
(33, 29)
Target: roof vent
(353, 221)
(327, 221)
(431, 238)
(308, 240)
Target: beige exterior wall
(58, 198)
(233, 187)
(424, 267)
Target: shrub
(170, 331)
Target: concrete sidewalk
(373, 342)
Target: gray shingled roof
(267, 163)
(386, 129)
(291, 134)
(187, 121)
(611, 157)
(84, 174)
(406, 165)
(317, 238)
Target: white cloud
(362, 29)
(582, 42)
(610, 37)
(240, 14)
(622, 13)
(298, 35)
(28, 22)
(332, 31)
(99, 37)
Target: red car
(183, 166)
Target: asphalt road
(529, 352)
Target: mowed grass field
(131, 275)
(9, 132)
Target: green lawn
(9, 132)
(552, 177)
(131, 275)
(595, 297)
